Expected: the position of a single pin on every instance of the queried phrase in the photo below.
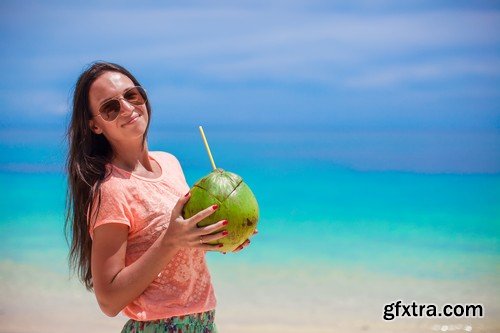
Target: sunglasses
(110, 109)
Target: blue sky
(391, 71)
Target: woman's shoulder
(163, 154)
(169, 159)
(172, 170)
(113, 181)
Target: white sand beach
(268, 299)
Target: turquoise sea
(313, 210)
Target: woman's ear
(94, 127)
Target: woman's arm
(115, 284)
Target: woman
(130, 243)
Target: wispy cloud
(437, 70)
(33, 102)
(227, 45)
(237, 44)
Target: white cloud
(227, 43)
(35, 102)
(248, 44)
(427, 71)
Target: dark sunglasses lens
(136, 96)
(110, 110)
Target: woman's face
(132, 120)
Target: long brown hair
(88, 155)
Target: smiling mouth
(131, 120)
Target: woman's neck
(132, 156)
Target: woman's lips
(133, 120)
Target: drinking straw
(208, 148)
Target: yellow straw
(208, 148)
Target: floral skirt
(192, 323)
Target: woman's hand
(185, 232)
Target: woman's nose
(126, 107)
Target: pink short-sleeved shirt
(145, 205)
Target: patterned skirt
(192, 323)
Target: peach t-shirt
(145, 205)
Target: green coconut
(237, 205)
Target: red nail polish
(214, 207)
(225, 222)
(224, 233)
(221, 245)
(187, 194)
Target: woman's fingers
(177, 210)
(209, 247)
(202, 214)
(201, 241)
(210, 238)
(209, 229)
(242, 246)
